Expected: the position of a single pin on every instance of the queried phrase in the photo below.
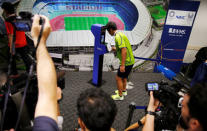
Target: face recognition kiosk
(99, 50)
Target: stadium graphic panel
(68, 15)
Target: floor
(76, 82)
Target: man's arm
(149, 123)
(47, 81)
(10, 39)
(123, 59)
(136, 125)
(10, 32)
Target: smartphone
(152, 86)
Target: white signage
(180, 18)
(176, 32)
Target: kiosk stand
(99, 50)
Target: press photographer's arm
(149, 123)
(47, 81)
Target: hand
(11, 52)
(59, 93)
(113, 48)
(36, 27)
(122, 68)
(153, 103)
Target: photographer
(193, 113)
(46, 108)
(47, 115)
(20, 43)
(96, 110)
(150, 116)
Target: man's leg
(118, 95)
(120, 85)
(124, 84)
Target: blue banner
(176, 32)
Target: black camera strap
(24, 95)
(8, 82)
(28, 81)
(40, 35)
(6, 97)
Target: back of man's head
(198, 104)
(8, 7)
(96, 109)
(111, 25)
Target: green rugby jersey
(122, 42)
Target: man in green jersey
(124, 53)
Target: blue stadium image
(124, 10)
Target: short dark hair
(198, 104)
(8, 7)
(96, 109)
(111, 25)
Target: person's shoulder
(44, 123)
(118, 35)
(121, 34)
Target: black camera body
(169, 112)
(165, 93)
(24, 21)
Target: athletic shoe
(130, 83)
(123, 93)
(117, 97)
(129, 87)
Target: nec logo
(173, 14)
(180, 17)
(177, 31)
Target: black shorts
(126, 73)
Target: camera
(167, 115)
(24, 21)
(165, 93)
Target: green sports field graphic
(83, 23)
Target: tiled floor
(76, 82)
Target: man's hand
(153, 103)
(36, 27)
(122, 68)
(113, 48)
(10, 51)
(59, 93)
